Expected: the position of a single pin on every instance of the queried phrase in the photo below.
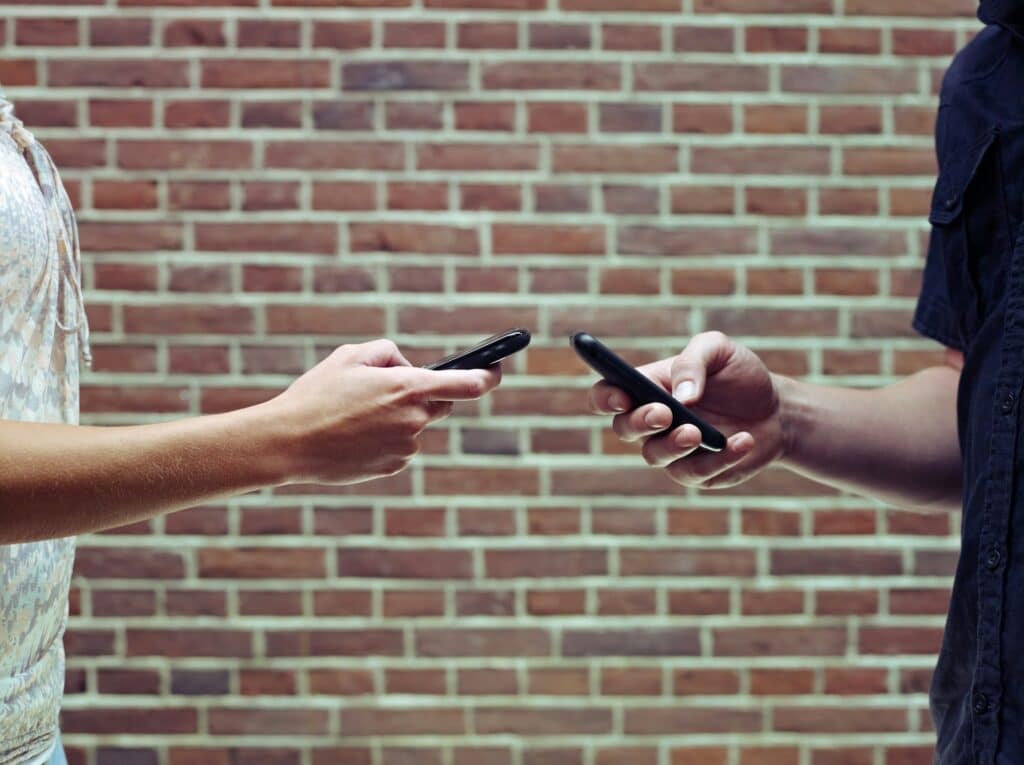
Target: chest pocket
(971, 227)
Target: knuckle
(650, 454)
(417, 420)
(620, 427)
(683, 473)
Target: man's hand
(729, 387)
(359, 413)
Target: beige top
(42, 334)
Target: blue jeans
(58, 757)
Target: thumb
(706, 354)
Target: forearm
(897, 444)
(62, 480)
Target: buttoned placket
(986, 697)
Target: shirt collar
(1005, 13)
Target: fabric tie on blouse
(72, 319)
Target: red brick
(46, 32)
(268, 34)
(781, 682)
(526, 239)
(691, 39)
(484, 34)
(194, 32)
(120, 31)
(311, 238)
(675, 721)
(844, 719)
(780, 641)
(138, 720)
(536, 721)
(347, 155)
(344, 196)
(702, 118)
(555, 117)
(477, 157)
(848, 80)
(558, 36)
(261, 563)
(268, 722)
(542, 75)
(411, 75)
(775, 119)
(485, 115)
(343, 35)
(703, 200)
(432, 643)
(631, 37)
(850, 41)
(188, 642)
(254, 73)
(686, 240)
(413, 237)
(777, 39)
(114, 73)
(701, 77)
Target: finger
(680, 443)
(438, 410)
(379, 353)
(605, 398)
(459, 384)
(642, 422)
(705, 354)
(701, 468)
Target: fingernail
(685, 390)
(615, 402)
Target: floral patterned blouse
(43, 334)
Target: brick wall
(260, 181)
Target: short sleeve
(934, 316)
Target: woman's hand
(359, 413)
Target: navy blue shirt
(973, 300)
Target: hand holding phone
(487, 352)
(641, 389)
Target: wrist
(787, 390)
(272, 443)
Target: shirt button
(1008, 403)
(994, 559)
(980, 703)
(951, 202)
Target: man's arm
(355, 416)
(898, 444)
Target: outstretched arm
(355, 416)
(898, 444)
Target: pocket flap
(955, 177)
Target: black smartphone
(487, 352)
(641, 389)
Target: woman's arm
(355, 416)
